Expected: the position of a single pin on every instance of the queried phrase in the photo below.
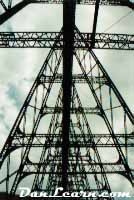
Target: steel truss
(82, 144)
(47, 39)
(66, 130)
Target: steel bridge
(70, 146)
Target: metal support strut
(68, 41)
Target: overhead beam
(102, 140)
(77, 78)
(47, 39)
(110, 168)
(12, 10)
(88, 2)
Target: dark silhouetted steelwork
(59, 131)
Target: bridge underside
(71, 137)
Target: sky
(19, 67)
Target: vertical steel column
(68, 45)
(95, 23)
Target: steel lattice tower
(56, 121)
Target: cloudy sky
(19, 67)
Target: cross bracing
(62, 129)
(47, 39)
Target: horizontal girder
(101, 140)
(87, 2)
(47, 39)
(90, 167)
(86, 110)
(8, 6)
(77, 78)
(110, 168)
